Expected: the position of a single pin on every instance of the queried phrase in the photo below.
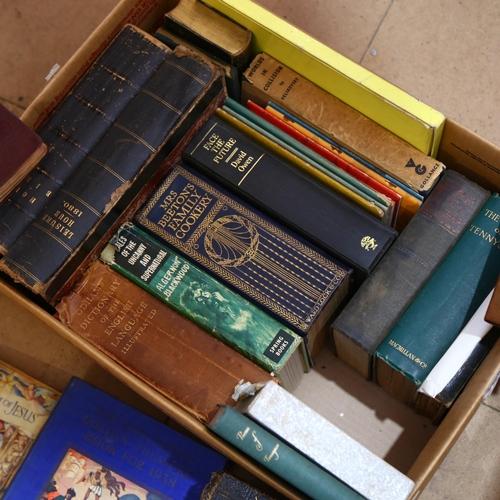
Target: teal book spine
(277, 456)
(196, 295)
(448, 300)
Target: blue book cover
(94, 446)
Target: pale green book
(207, 302)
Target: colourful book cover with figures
(95, 446)
(25, 406)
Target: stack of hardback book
(209, 227)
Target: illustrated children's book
(25, 406)
(96, 447)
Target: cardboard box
(383, 425)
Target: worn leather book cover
(26, 405)
(79, 122)
(443, 307)
(269, 80)
(493, 312)
(210, 31)
(376, 307)
(192, 292)
(95, 446)
(21, 149)
(224, 486)
(153, 122)
(262, 260)
(155, 343)
(293, 198)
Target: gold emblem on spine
(368, 243)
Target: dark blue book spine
(291, 197)
(92, 439)
(140, 132)
(80, 121)
(260, 259)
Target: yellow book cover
(270, 80)
(402, 114)
(302, 165)
(409, 204)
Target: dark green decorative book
(145, 132)
(283, 274)
(382, 299)
(80, 121)
(443, 307)
(276, 455)
(290, 196)
(207, 302)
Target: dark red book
(20, 151)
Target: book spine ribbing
(277, 456)
(245, 249)
(81, 120)
(155, 343)
(323, 217)
(409, 263)
(140, 132)
(199, 297)
(448, 300)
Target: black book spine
(141, 130)
(80, 121)
(291, 197)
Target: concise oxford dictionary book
(293, 198)
(26, 404)
(282, 414)
(155, 343)
(382, 299)
(211, 32)
(142, 136)
(95, 446)
(79, 122)
(276, 455)
(219, 310)
(269, 80)
(493, 312)
(21, 149)
(224, 486)
(443, 307)
(268, 264)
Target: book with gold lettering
(25, 406)
(443, 307)
(207, 302)
(94, 446)
(263, 261)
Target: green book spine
(277, 456)
(448, 300)
(205, 301)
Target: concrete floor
(444, 53)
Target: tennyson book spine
(443, 307)
(294, 199)
(155, 343)
(430, 235)
(80, 122)
(268, 264)
(324, 443)
(275, 454)
(195, 294)
(142, 130)
(268, 80)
